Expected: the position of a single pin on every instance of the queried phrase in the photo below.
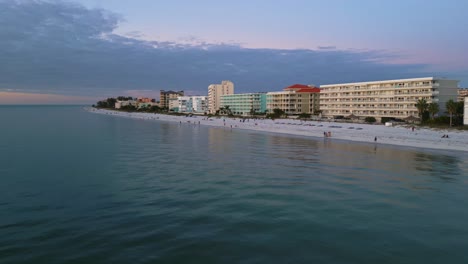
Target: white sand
(396, 135)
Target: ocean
(78, 187)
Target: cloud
(65, 48)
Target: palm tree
(433, 108)
(421, 105)
(451, 108)
(225, 110)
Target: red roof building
(295, 99)
(302, 88)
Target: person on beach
(325, 134)
(375, 139)
(329, 133)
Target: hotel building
(215, 91)
(295, 99)
(165, 96)
(245, 104)
(192, 104)
(462, 93)
(391, 98)
(465, 113)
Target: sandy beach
(395, 135)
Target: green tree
(451, 108)
(155, 109)
(102, 104)
(124, 98)
(370, 119)
(317, 112)
(278, 112)
(422, 106)
(111, 102)
(128, 108)
(433, 108)
(304, 116)
(225, 110)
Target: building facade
(120, 104)
(173, 104)
(465, 113)
(215, 91)
(295, 99)
(462, 93)
(244, 104)
(165, 96)
(192, 104)
(390, 98)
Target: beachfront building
(295, 99)
(462, 93)
(215, 91)
(120, 104)
(391, 98)
(192, 104)
(244, 104)
(465, 113)
(165, 96)
(173, 104)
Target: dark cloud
(65, 48)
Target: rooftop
(388, 81)
(297, 85)
(302, 88)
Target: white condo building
(214, 94)
(465, 113)
(390, 98)
(192, 104)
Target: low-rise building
(389, 98)
(120, 104)
(244, 104)
(295, 99)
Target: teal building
(245, 104)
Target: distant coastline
(376, 134)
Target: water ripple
(138, 191)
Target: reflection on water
(346, 159)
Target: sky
(84, 50)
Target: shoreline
(365, 133)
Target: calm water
(77, 187)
